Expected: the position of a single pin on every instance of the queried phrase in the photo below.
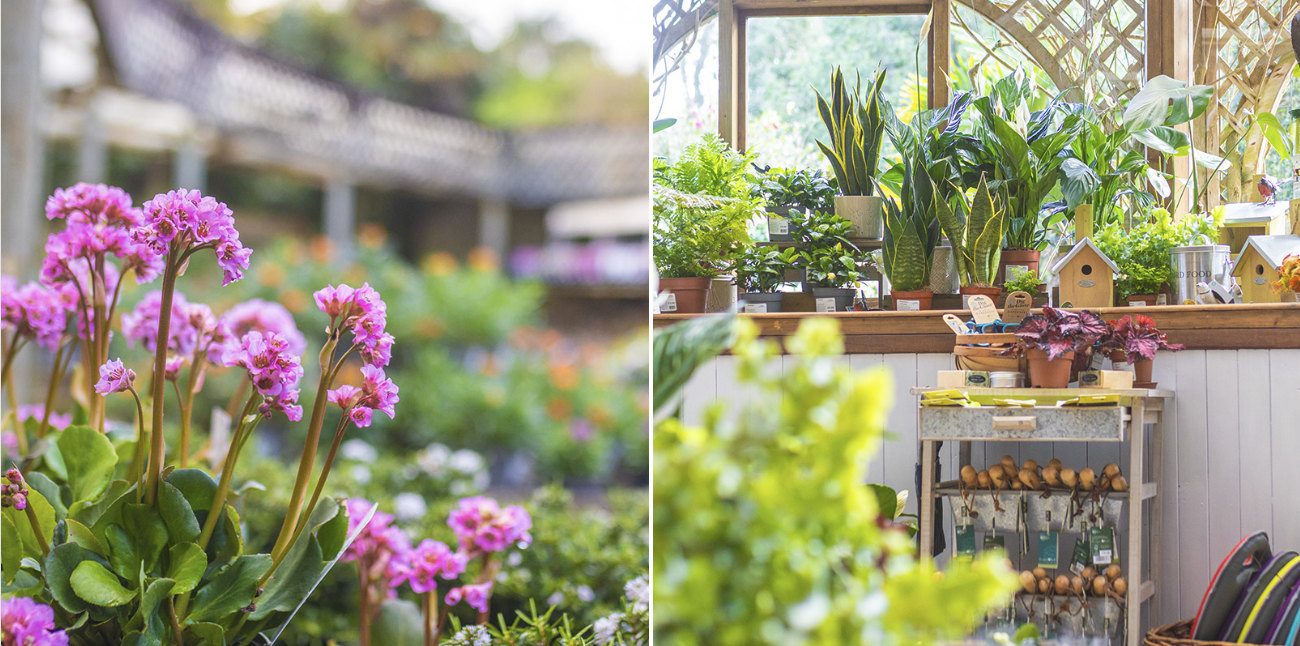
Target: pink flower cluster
(100, 221)
(273, 369)
(114, 378)
(185, 220)
(264, 316)
(420, 565)
(33, 311)
(37, 412)
(24, 622)
(377, 392)
(15, 493)
(365, 314)
(379, 545)
(476, 595)
(482, 526)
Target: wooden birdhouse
(1087, 276)
(1256, 266)
(1241, 221)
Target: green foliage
(792, 188)
(702, 205)
(976, 237)
(911, 229)
(819, 231)
(856, 127)
(1142, 252)
(838, 266)
(765, 533)
(680, 349)
(1153, 114)
(1027, 282)
(762, 268)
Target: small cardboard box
(1115, 379)
(963, 378)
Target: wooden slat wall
(1230, 459)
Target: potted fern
(856, 127)
(911, 235)
(975, 231)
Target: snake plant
(911, 230)
(856, 125)
(976, 235)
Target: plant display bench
(1015, 512)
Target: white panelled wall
(1231, 462)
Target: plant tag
(1017, 307)
(777, 225)
(756, 308)
(1048, 544)
(907, 306)
(1016, 271)
(1161, 299)
(965, 542)
(670, 303)
(1102, 545)
(995, 542)
(954, 323)
(826, 304)
(1079, 559)
(1137, 303)
(1095, 361)
(982, 309)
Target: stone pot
(864, 212)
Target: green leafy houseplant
(761, 269)
(911, 231)
(856, 127)
(792, 188)
(1025, 282)
(765, 533)
(1142, 252)
(833, 267)
(702, 204)
(976, 236)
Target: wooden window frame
(733, 16)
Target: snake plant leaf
(985, 227)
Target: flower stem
(61, 361)
(308, 459)
(5, 371)
(315, 497)
(430, 611)
(157, 449)
(363, 602)
(36, 529)
(137, 462)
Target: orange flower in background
(563, 375)
(293, 300)
(372, 235)
(559, 409)
(354, 275)
(484, 259)
(322, 250)
(430, 328)
(599, 415)
(1288, 275)
(271, 275)
(491, 365)
(439, 263)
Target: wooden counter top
(1199, 327)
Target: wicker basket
(970, 356)
(1178, 634)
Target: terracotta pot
(1141, 300)
(920, 299)
(1142, 371)
(1024, 259)
(688, 295)
(994, 293)
(1044, 373)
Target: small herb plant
(1058, 331)
(1142, 252)
(761, 269)
(837, 266)
(789, 188)
(1025, 282)
(820, 230)
(1138, 337)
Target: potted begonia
(1051, 340)
(125, 543)
(1136, 339)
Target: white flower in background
(555, 599)
(409, 506)
(585, 593)
(471, 636)
(466, 461)
(358, 450)
(433, 458)
(360, 473)
(482, 480)
(638, 592)
(605, 627)
(514, 559)
(460, 488)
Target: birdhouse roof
(1247, 213)
(1271, 248)
(1086, 243)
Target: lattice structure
(1250, 60)
(281, 114)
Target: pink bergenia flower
(476, 595)
(33, 311)
(141, 323)
(37, 411)
(430, 559)
(24, 622)
(98, 222)
(482, 526)
(172, 369)
(186, 220)
(362, 311)
(71, 292)
(378, 546)
(264, 316)
(114, 377)
(14, 493)
(377, 392)
(274, 371)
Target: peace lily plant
(120, 540)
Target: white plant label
(1015, 271)
(955, 323)
(777, 226)
(907, 306)
(1095, 362)
(826, 304)
(1161, 299)
(1137, 303)
(1087, 283)
(756, 308)
(670, 303)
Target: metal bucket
(1197, 264)
(943, 271)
